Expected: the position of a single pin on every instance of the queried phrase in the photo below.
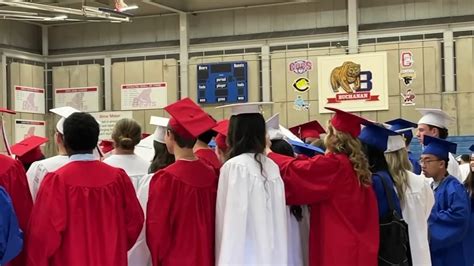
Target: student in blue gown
(469, 240)
(11, 237)
(449, 218)
(375, 145)
(405, 128)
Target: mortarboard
(4, 134)
(64, 112)
(161, 124)
(106, 146)
(311, 129)
(221, 128)
(28, 150)
(188, 119)
(347, 122)
(273, 127)
(145, 149)
(471, 148)
(435, 117)
(402, 126)
(381, 138)
(245, 108)
(438, 147)
(306, 149)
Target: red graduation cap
(28, 150)
(221, 138)
(106, 146)
(8, 111)
(347, 122)
(188, 119)
(308, 130)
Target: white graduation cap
(145, 148)
(63, 112)
(435, 117)
(245, 108)
(277, 131)
(161, 124)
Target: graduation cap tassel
(101, 154)
(4, 136)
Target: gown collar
(82, 157)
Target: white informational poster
(27, 128)
(353, 83)
(85, 99)
(144, 96)
(29, 100)
(107, 122)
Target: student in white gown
(139, 255)
(251, 214)
(415, 194)
(126, 135)
(39, 169)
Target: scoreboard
(222, 82)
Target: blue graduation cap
(306, 149)
(471, 148)
(381, 138)
(438, 147)
(403, 127)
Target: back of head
(81, 133)
(207, 136)
(281, 146)
(398, 164)
(376, 158)
(126, 134)
(465, 158)
(246, 134)
(162, 157)
(344, 143)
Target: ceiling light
(56, 18)
(127, 8)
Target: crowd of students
(241, 191)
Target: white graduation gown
(135, 166)
(453, 167)
(139, 255)
(251, 215)
(39, 169)
(416, 209)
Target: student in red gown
(344, 226)
(182, 197)
(86, 212)
(206, 154)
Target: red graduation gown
(209, 157)
(86, 213)
(181, 215)
(344, 227)
(13, 179)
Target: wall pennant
(301, 66)
(407, 76)
(301, 84)
(406, 59)
(408, 98)
(300, 104)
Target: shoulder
(453, 185)
(416, 183)
(7, 163)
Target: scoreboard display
(222, 82)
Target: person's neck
(438, 178)
(200, 145)
(184, 154)
(61, 150)
(120, 151)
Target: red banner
(353, 96)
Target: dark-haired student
(86, 212)
(468, 243)
(251, 214)
(206, 154)
(182, 197)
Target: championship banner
(108, 120)
(353, 83)
(29, 100)
(27, 128)
(144, 96)
(85, 99)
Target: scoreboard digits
(222, 82)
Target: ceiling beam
(153, 3)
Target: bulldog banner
(353, 82)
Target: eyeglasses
(422, 162)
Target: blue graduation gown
(382, 202)
(448, 223)
(469, 239)
(11, 237)
(414, 163)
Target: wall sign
(85, 99)
(27, 128)
(29, 100)
(222, 82)
(144, 96)
(301, 66)
(108, 120)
